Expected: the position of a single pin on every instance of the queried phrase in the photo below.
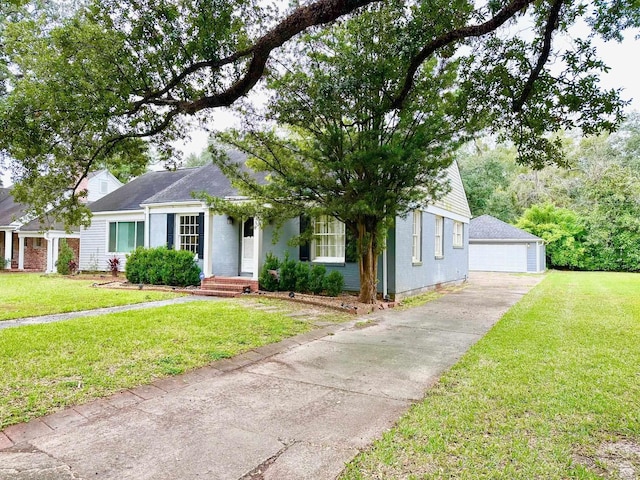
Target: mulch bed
(344, 303)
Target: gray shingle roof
(132, 194)
(170, 187)
(9, 209)
(208, 178)
(45, 223)
(486, 227)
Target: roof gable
(486, 227)
(456, 200)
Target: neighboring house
(496, 246)
(427, 248)
(98, 184)
(35, 244)
(10, 215)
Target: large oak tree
(85, 88)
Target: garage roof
(486, 227)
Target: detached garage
(496, 246)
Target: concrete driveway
(295, 410)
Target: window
(104, 186)
(125, 236)
(189, 233)
(416, 252)
(37, 242)
(439, 250)
(328, 240)
(457, 234)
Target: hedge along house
(427, 248)
(496, 246)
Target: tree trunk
(368, 252)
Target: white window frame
(439, 237)
(328, 234)
(188, 237)
(458, 234)
(416, 248)
(37, 242)
(117, 231)
(104, 186)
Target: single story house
(34, 244)
(496, 246)
(427, 248)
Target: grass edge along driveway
(34, 294)
(44, 368)
(557, 378)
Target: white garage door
(498, 258)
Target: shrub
(65, 256)
(114, 265)
(73, 266)
(268, 277)
(3, 263)
(316, 279)
(161, 266)
(334, 283)
(287, 274)
(302, 277)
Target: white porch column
(8, 246)
(207, 254)
(257, 247)
(50, 266)
(21, 241)
(52, 253)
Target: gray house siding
(157, 230)
(543, 258)
(531, 257)
(453, 266)
(290, 229)
(92, 245)
(225, 247)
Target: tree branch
(552, 24)
(318, 13)
(453, 36)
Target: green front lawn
(554, 380)
(32, 294)
(46, 367)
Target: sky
(621, 57)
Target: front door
(247, 246)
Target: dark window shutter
(171, 225)
(304, 248)
(200, 235)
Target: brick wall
(74, 243)
(35, 254)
